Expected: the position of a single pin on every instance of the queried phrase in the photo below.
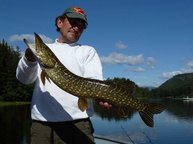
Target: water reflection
(14, 124)
(182, 109)
(174, 125)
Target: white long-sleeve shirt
(49, 102)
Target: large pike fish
(85, 88)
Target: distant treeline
(12, 90)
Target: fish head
(42, 52)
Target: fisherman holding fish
(56, 117)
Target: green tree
(10, 88)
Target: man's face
(70, 29)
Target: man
(56, 117)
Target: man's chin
(73, 39)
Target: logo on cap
(79, 11)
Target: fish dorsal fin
(122, 112)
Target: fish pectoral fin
(44, 76)
(83, 104)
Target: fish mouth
(30, 45)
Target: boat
(106, 140)
(188, 99)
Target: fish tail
(147, 113)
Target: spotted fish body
(85, 88)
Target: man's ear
(59, 22)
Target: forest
(10, 88)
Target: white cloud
(190, 64)
(151, 61)
(118, 58)
(29, 37)
(138, 69)
(187, 69)
(121, 45)
(168, 75)
(17, 37)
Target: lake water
(173, 126)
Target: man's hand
(105, 104)
(29, 55)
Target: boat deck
(105, 140)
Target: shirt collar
(72, 44)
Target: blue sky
(146, 41)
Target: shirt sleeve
(26, 71)
(93, 66)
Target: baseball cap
(76, 12)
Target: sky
(146, 41)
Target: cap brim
(78, 16)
